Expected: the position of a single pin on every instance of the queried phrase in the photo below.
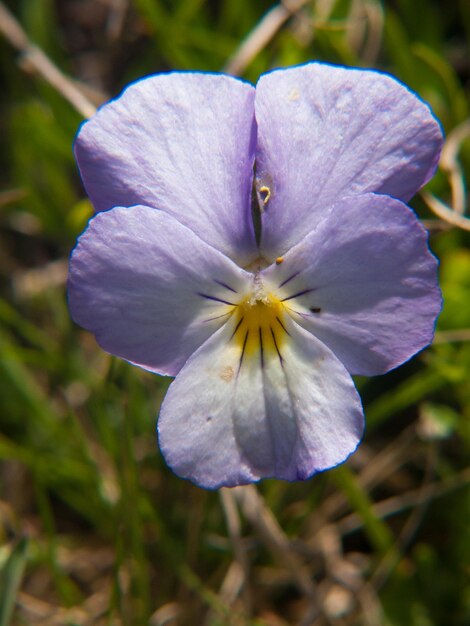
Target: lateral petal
(365, 283)
(325, 132)
(148, 288)
(229, 421)
(183, 143)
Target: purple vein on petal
(298, 294)
(261, 347)
(314, 311)
(277, 348)
(289, 279)
(222, 284)
(283, 327)
(243, 351)
(207, 297)
(236, 328)
(217, 317)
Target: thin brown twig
(372, 612)
(117, 18)
(455, 213)
(367, 594)
(445, 212)
(449, 163)
(375, 19)
(270, 532)
(414, 497)
(356, 25)
(336, 597)
(12, 195)
(450, 336)
(391, 558)
(167, 614)
(41, 64)
(261, 35)
(435, 225)
(384, 464)
(229, 506)
(29, 283)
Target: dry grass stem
(236, 580)
(451, 336)
(384, 464)
(34, 58)
(409, 499)
(455, 214)
(375, 23)
(390, 560)
(449, 163)
(30, 283)
(12, 195)
(261, 35)
(272, 535)
(166, 615)
(445, 212)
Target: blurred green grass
(94, 529)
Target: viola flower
(255, 244)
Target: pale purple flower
(262, 337)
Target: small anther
(279, 260)
(265, 193)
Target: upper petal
(325, 132)
(364, 282)
(229, 420)
(148, 288)
(182, 143)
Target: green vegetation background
(94, 529)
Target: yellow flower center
(260, 326)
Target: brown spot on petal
(227, 373)
(294, 94)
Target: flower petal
(364, 283)
(325, 132)
(228, 420)
(182, 143)
(149, 289)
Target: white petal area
(325, 132)
(148, 288)
(181, 142)
(222, 424)
(364, 282)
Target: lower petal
(230, 419)
(148, 288)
